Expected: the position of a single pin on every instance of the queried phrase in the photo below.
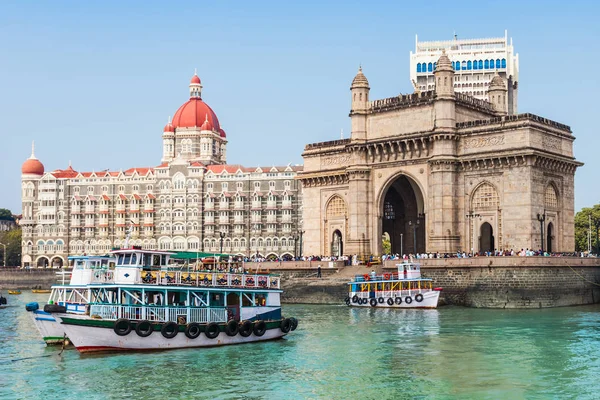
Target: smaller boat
(2, 301)
(14, 291)
(402, 289)
(41, 291)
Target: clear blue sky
(95, 83)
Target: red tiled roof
(196, 164)
(92, 198)
(140, 171)
(151, 196)
(105, 197)
(163, 165)
(123, 197)
(65, 173)
(232, 169)
(136, 196)
(148, 224)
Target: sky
(94, 83)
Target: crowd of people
(495, 253)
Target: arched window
(487, 64)
(430, 67)
(550, 197)
(260, 242)
(485, 197)
(469, 65)
(475, 64)
(480, 64)
(336, 208)
(418, 67)
(40, 245)
(463, 65)
(498, 63)
(503, 63)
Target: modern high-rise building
(193, 201)
(475, 62)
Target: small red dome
(32, 166)
(169, 128)
(195, 80)
(206, 126)
(222, 133)
(193, 113)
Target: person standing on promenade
(319, 271)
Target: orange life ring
(386, 276)
(366, 276)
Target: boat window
(260, 299)
(155, 260)
(127, 259)
(134, 259)
(120, 259)
(247, 300)
(79, 264)
(217, 300)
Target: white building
(475, 62)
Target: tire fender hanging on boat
(390, 301)
(419, 298)
(285, 325)
(193, 330)
(355, 299)
(122, 327)
(212, 330)
(245, 328)
(408, 299)
(169, 329)
(232, 328)
(380, 300)
(398, 300)
(260, 327)
(373, 302)
(294, 322)
(144, 328)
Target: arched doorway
(403, 217)
(337, 244)
(486, 237)
(42, 262)
(57, 262)
(549, 236)
(233, 306)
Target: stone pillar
(361, 206)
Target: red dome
(194, 113)
(195, 79)
(169, 128)
(32, 166)
(222, 132)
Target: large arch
(486, 237)
(336, 218)
(402, 215)
(484, 209)
(549, 238)
(42, 262)
(57, 262)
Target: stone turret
(444, 77)
(497, 94)
(360, 104)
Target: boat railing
(153, 313)
(393, 276)
(103, 276)
(390, 293)
(211, 279)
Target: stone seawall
(15, 278)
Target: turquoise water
(336, 353)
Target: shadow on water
(336, 353)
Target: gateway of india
(438, 170)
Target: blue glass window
(468, 64)
(498, 63)
(504, 63)
(475, 64)
(480, 64)
(418, 67)
(434, 65)
(487, 64)
(430, 67)
(464, 65)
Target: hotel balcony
(271, 219)
(209, 206)
(256, 219)
(149, 208)
(238, 219)
(271, 204)
(286, 204)
(286, 218)
(209, 220)
(256, 205)
(224, 220)
(238, 205)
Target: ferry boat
(148, 305)
(70, 297)
(404, 288)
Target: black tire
(419, 298)
(347, 299)
(144, 328)
(245, 328)
(348, 302)
(286, 325)
(212, 330)
(232, 328)
(169, 329)
(193, 330)
(373, 302)
(380, 300)
(398, 300)
(294, 323)
(122, 327)
(408, 299)
(55, 308)
(260, 327)
(364, 301)
(355, 299)
(390, 301)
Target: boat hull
(49, 328)
(89, 336)
(430, 300)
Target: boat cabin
(89, 269)
(409, 270)
(132, 262)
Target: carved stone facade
(440, 171)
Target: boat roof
(140, 250)
(90, 257)
(389, 280)
(182, 288)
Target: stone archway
(403, 217)
(337, 244)
(549, 236)
(486, 237)
(42, 262)
(57, 262)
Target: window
(336, 208)
(239, 185)
(485, 197)
(256, 185)
(224, 186)
(550, 198)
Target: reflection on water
(337, 353)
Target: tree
(582, 228)
(12, 240)
(6, 215)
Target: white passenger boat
(404, 288)
(70, 297)
(150, 306)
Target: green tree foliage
(12, 240)
(582, 228)
(6, 215)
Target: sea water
(337, 352)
